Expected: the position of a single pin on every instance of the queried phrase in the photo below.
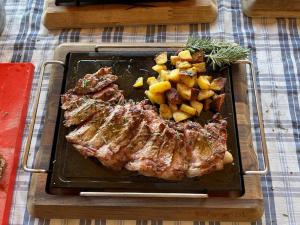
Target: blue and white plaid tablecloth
(275, 45)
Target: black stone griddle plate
(71, 173)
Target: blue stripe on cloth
(239, 38)
(293, 100)
(161, 33)
(150, 34)
(295, 40)
(268, 194)
(106, 34)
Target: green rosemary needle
(217, 53)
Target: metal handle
(33, 118)
(142, 194)
(260, 120)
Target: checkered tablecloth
(275, 47)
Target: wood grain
(184, 11)
(249, 207)
(271, 8)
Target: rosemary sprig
(217, 53)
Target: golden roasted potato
(227, 158)
(151, 80)
(188, 80)
(204, 94)
(161, 58)
(174, 59)
(206, 104)
(174, 75)
(198, 56)
(185, 55)
(218, 101)
(159, 68)
(218, 84)
(139, 82)
(184, 91)
(173, 96)
(209, 78)
(160, 87)
(180, 116)
(164, 75)
(188, 109)
(183, 65)
(200, 67)
(165, 112)
(155, 97)
(173, 107)
(198, 106)
(203, 83)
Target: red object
(15, 86)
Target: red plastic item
(15, 86)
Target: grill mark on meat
(109, 128)
(133, 135)
(88, 130)
(91, 83)
(144, 159)
(178, 166)
(81, 113)
(110, 154)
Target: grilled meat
(133, 136)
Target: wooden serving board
(271, 8)
(249, 207)
(184, 11)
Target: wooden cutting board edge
(249, 207)
(185, 11)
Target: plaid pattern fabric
(275, 51)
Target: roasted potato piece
(180, 116)
(159, 68)
(218, 102)
(198, 106)
(198, 57)
(200, 67)
(173, 96)
(218, 84)
(188, 80)
(174, 75)
(188, 72)
(227, 158)
(184, 91)
(155, 97)
(183, 65)
(160, 87)
(188, 109)
(173, 107)
(194, 93)
(165, 112)
(206, 104)
(185, 55)
(209, 78)
(164, 75)
(139, 82)
(204, 94)
(151, 80)
(203, 83)
(161, 58)
(174, 59)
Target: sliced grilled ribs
(133, 136)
